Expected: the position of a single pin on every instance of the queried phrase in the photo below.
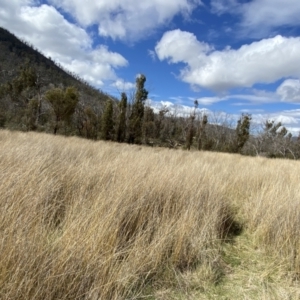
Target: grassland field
(97, 220)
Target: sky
(232, 56)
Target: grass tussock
(95, 220)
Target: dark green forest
(37, 94)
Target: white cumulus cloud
(289, 90)
(284, 119)
(122, 85)
(265, 15)
(265, 61)
(260, 17)
(126, 19)
(175, 109)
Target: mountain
(14, 52)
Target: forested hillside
(15, 54)
(25, 77)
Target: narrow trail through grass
(243, 271)
(251, 274)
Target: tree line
(27, 102)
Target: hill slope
(13, 54)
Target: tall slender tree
(107, 121)
(191, 128)
(121, 132)
(201, 132)
(242, 131)
(136, 118)
(148, 125)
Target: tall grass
(95, 220)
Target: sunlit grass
(95, 220)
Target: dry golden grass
(95, 220)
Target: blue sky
(233, 56)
